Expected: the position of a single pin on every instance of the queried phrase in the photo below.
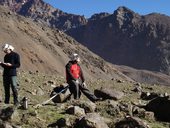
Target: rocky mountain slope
(52, 40)
(44, 13)
(127, 38)
(123, 38)
(47, 50)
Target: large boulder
(108, 93)
(88, 106)
(131, 122)
(6, 113)
(75, 110)
(160, 106)
(4, 124)
(92, 120)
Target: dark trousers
(10, 81)
(76, 90)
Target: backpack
(62, 93)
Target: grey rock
(108, 93)
(92, 120)
(75, 110)
(131, 122)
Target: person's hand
(77, 81)
(84, 84)
(8, 64)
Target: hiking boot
(16, 103)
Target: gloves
(84, 84)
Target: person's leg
(6, 84)
(74, 89)
(14, 89)
(88, 94)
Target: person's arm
(82, 75)
(16, 63)
(5, 65)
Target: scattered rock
(131, 122)
(149, 95)
(61, 123)
(120, 81)
(40, 92)
(28, 80)
(138, 89)
(51, 82)
(108, 93)
(142, 113)
(88, 106)
(92, 120)
(75, 110)
(6, 113)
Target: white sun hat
(75, 57)
(7, 47)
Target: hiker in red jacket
(76, 81)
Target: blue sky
(90, 7)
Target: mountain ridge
(61, 43)
(129, 39)
(44, 13)
(47, 50)
(124, 29)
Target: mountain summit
(127, 38)
(42, 12)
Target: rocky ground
(126, 99)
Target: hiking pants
(76, 90)
(10, 81)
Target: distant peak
(122, 10)
(99, 16)
(124, 14)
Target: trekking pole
(45, 102)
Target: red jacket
(74, 71)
